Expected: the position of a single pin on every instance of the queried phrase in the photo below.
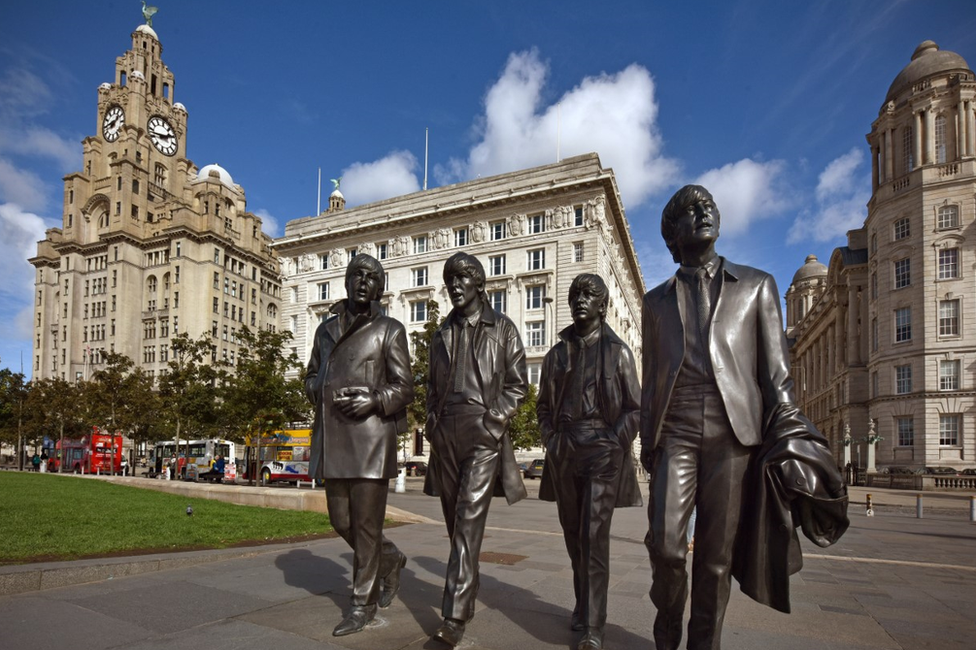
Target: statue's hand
(357, 403)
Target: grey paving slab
(231, 634)
(45, 624)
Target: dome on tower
(927, 60)
(336, 193)
(215, 171)
(811, 270)
(146, 29)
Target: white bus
(198, 460)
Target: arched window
(151, 284)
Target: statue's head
(683, 218)
(589, 298)
(465, 279)
(364, 279)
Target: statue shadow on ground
(545, 622)
(320, 576)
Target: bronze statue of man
(589, 410)
(720, 431)
(477, 381)
(360, 382)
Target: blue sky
(765, 102)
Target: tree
(189, 389)
(13, 394)
(524, 425)
(257, 397)
(420, 368)
(54, 406)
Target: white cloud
(392, 175)
(745, 192)
(41, 142)
(611, 114)
(269, 223)
(21, 187)
(23, 93)
(19, 233)
(842, 193)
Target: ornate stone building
(149, 246)
(534, 231)
(890, 337)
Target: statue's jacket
(372, 354)
(501, 373)
(618, 396)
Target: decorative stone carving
(478, 231)
(335, 258)
(516, 224)
(367, 248)
(400, 246)
(441, 238)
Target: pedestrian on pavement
(360, 383)
(476, 383)
(589, 410)
(36, 462)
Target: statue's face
(698, 225)
(587, 310)
(463, 290)
(362, 286)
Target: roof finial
(336, 181)
(148, 12)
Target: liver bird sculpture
(148, 12)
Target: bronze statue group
(714, 410)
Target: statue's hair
(368, 262)
(687, 195)
(464, 264)
(593, 284)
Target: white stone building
(534, 230)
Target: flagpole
(426, 150)
(318, 205)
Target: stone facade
(534, 230)
(891, 336)
(149, 246)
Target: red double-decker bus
(92, 454)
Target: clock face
(162, 135)
(112, 123)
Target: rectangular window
(216, 256)
(903, 379)
(948, 263)
(949, 317)
(949, 375)
(902, 229)
(875, 384)
(537, 259)
(350, 253)
(903, 273)
(903, 324)
(940, 139)
(499, 300)
(461, 237)
(420, 244)
(216, 305)
(498, 230)
(535, 372)
(496, 265)
(578, 214)
(418, 311)
(874, 285)
(537, 224)
(420, 277)
(323, 291)
(874, 334)
(381, 251)
(534, 296)
(577, 252)
(949, 425)
(324, 262)
(906, 431)
(948, 217)
(535, 333)
(908, 160)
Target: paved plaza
(893, 581)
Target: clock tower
(149, 246)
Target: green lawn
(49, 517)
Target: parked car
(969, 471)
(416, 468)
(898, 469)
(941, 471)
(534, 470)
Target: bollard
(918, 506)
(869, 510)
(401, 482)
(972, 509)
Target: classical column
(960, 130)
(917, 140)
(875, 152)
(853, 333)
(970, 129)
